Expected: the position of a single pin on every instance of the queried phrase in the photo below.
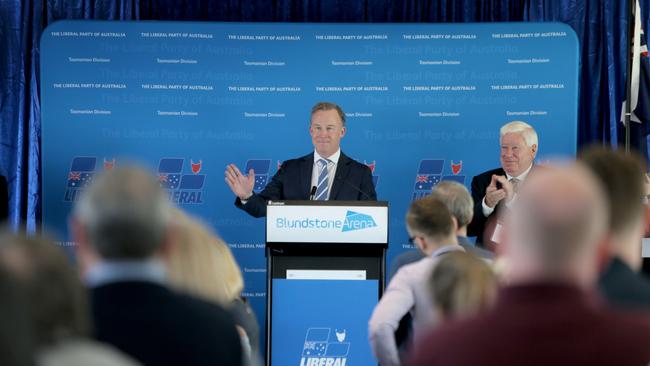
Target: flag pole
(628, 87)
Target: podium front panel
(330, 222)
(322, 322)
(320, 301)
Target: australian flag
(261, 168)
(429, 174)
(169, 172)
(81, 171)
(316, 342)
(640, 93)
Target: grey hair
(527, 131)
(457, 199)
(125, 213)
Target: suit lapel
(342, 170)
(306, 167)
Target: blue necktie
(323, 181)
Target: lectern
(325, 274)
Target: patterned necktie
(322, 188)
(515, 184)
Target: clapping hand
(498, 189)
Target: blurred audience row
(154, 287)
(563, 289)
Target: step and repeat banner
(424, 103)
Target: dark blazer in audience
(159, 327)
(621, 286)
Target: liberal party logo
(321, 347)
(372, 166)
(430, 173)
(82, 171)
(261, 168)
(184, 187)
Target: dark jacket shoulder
(157, 326)
(623, 287)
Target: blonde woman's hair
(201, 264)
(461, 284)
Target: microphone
(312, 193)
(366, 195)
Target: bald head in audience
(555, 228)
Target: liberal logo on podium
(321, 347)
(184, 187)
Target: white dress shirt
(405, 293)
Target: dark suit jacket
(244, 316)
(159, 327)
(540, 325)
(4, 199)
(621, 286)
(479, 186)
(352, 182)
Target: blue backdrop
(599, 24)
(424, 103)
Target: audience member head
(123, 215)
(430, 224)
(58, 301)
(459, 202)
(17, 344)
(201, 264)
(461, 284)
(556, 227)
(518, 147)
(623, 179)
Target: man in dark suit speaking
(325, 174)
(497, 188)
